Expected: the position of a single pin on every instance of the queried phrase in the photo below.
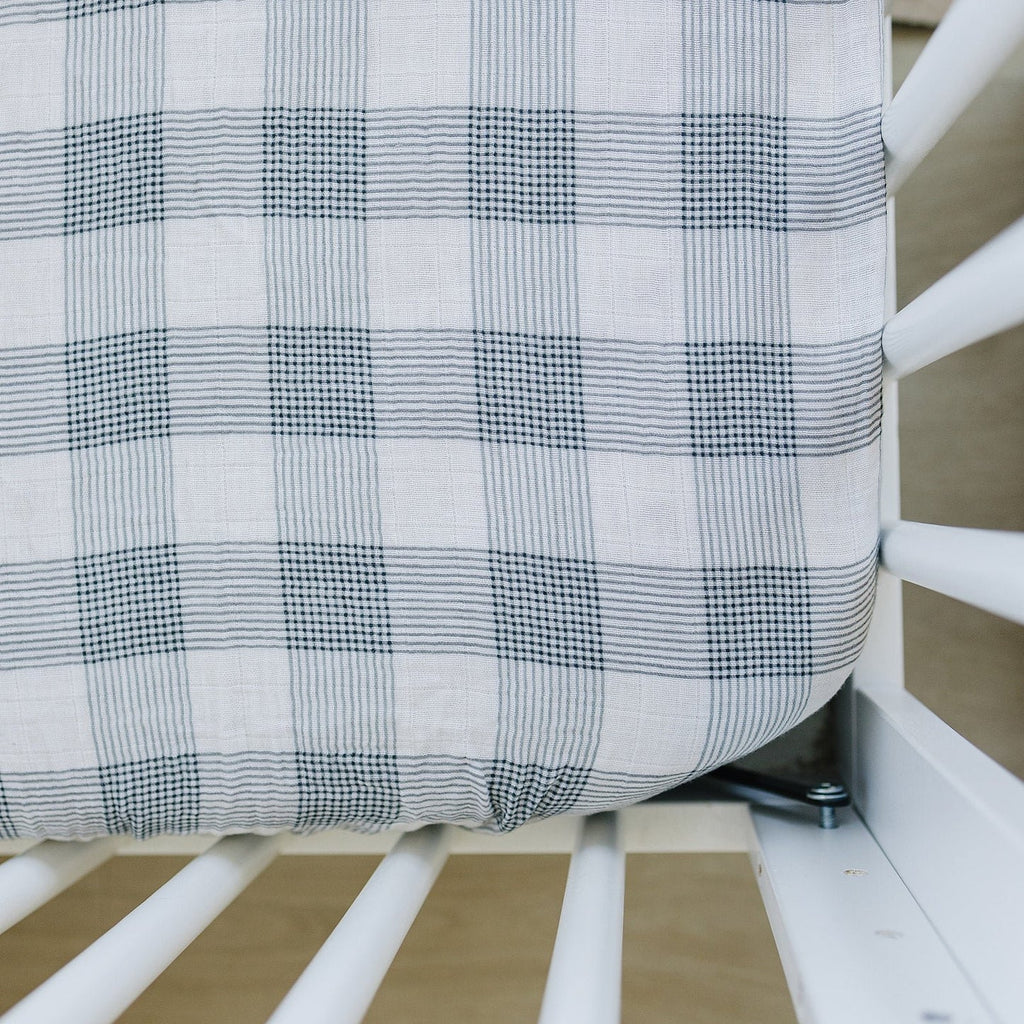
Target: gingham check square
(422, 412)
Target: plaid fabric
(419, 411)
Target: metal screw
(826, 791)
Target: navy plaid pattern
(162, 792)
(320, 381)
(412, 418)
(757, 621)
(129, 603)
(546, 610)
(335, 597)
(529, 389)
(734, 171)
(113, 172)
(522, 791)
(741, 402)
(358, 163)
(346, 787)
(117, 389)
(314, 163)
(522, 165)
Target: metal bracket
(826, 796)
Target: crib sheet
(417, 411)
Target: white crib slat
(981, 297)
(969, 46)
(855, 945)
(42, 872)
(984, 568)
(341, 980)
(585, 978)
(101, 982)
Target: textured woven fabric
(427, 410)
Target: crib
(930, 852)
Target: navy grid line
(128, 578)
(443, 600)
(500, 387)
(330, 553)
(691, 171)
(522, 188)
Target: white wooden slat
(965, 51)
(981, 297)
(585, 978)
(951, 821)
(855, 945)
(984, 568)
(341, 980)
(107, 977)
(34, 877)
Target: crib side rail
(855, 944)
(951, 822)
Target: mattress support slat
(341, 980)
(107, 977)
(46, 870)
(585, 979)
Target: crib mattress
(420, 412)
